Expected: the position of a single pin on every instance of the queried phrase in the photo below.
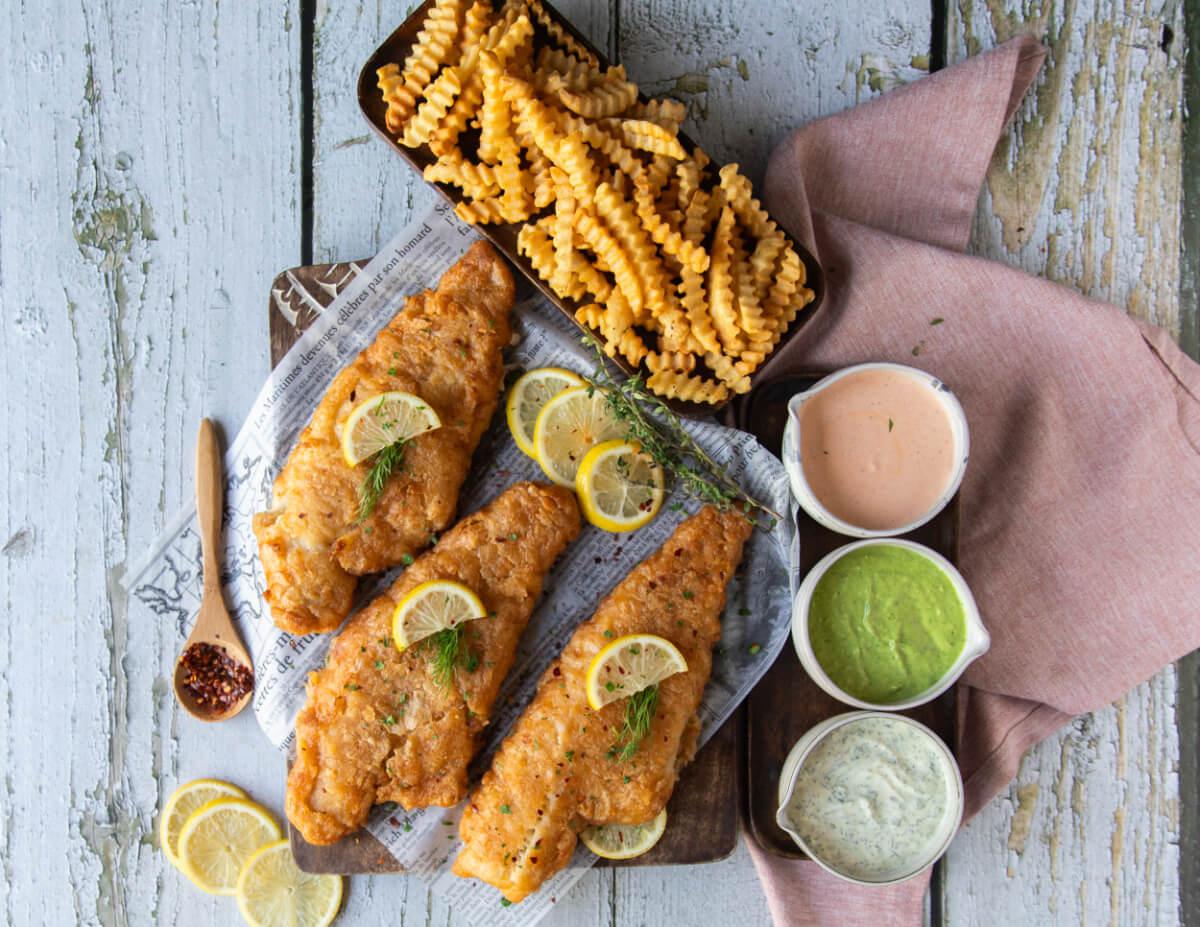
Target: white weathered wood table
(160, 162)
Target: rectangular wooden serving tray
(395, 49)
(704, 806)
(786, 702)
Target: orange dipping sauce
(877, 448)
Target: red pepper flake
(215, 681)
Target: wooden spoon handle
(209, 506)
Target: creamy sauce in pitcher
(874, 799)
(877, 448)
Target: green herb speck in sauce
(505, 809)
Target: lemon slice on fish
(431, 607)
(179, 807)
(630, 664)
(218, 838)
(619, 487)
(273, 892)
(527, 398)
(383, 420)
(624, 841)
(570, 425)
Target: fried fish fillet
(557, 772)
(379, 725)
(444, 346)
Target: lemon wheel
(630, 664)
(272, 891)
(381, 421)
(624, 841)
(529, 395)
(620, 488)
(218, 838)
(432, 607)
(570, 425)
(183, 802)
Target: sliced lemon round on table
(630, 664)
(179, 807)
(624, 841)
(432, 607)
(218, 838)
(620, 488)
(273, 892)
(529, 395)
(570, 425)
(383, 420)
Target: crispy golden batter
(556, 772)
(444, 346)
(378, 725)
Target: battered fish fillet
(444, 346)
(379, 726)
(557, 772)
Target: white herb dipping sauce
(876, 799)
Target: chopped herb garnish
(570, 756)
(391, 371)
(352, 687)
(755, 648)
(688, 594)
(386, 462)
(407, 559)
(937, 321)
(378, 664)
(512, 536)
(609, 633)
(625, 779)
(505, 809)
(504, 903)
(891, 425)
(389, 720)
(743, 611)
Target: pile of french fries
(673, 263)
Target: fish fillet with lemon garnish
(396, 713)
(377, 472)
(614, 718)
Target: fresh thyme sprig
(659, 431)
(639, 712)
(386, 462)
(449, 652)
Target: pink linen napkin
(1080, 505)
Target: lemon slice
(620, 488)
(527, 397)
(630, 664)
(570, 425)
(382, 420)
(431, 607)
(273, 892)
(218, 838)
(624, 841)
(179, 807)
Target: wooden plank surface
(147, 196)
(145, 203)
(1087, 192)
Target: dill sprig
(639, 712)
(659, 431)
(449, 652)
(386, 462)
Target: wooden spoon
(213, 627)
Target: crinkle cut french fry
(686, 387)
(434, 47)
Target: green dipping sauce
(886, 623)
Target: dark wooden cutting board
(703, 811)
(786, 702)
